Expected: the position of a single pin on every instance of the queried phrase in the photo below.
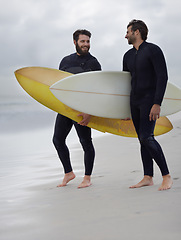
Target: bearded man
(78, 62)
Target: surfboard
(36, 82)
(107, 94)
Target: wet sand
(33, 208)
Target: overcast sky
(39, 33)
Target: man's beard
(79, 50)
(131, 40)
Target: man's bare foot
(86, 182)
(67, 178)
(167, 183)
(146, 181)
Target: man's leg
(146, 157)
(85, 138)
(150, 149)
(63, 126)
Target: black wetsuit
(75, 64)
(149, 78)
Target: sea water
(21, 114)
(27, 151)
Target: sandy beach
(33, 208)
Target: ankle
(167, 176)
(87, 177)
(148, 177)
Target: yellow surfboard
(36, 82)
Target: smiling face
(82, 45)
(130, 35)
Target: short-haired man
(146, 63)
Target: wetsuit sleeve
(160, 68)
(62, 64)
(125, 68)
(96, 66)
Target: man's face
(130, 35)
(82, 45)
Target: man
(81, 61)
(146, 63)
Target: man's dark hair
(82, 32)
(141, 26)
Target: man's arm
(159, 64)
(160, 68)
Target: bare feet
(67, 178)
(146, 181)
(86, 182)
(167, 183)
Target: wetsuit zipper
(135, 85)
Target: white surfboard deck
(107, 94)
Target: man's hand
(155, 112)
(85, 120)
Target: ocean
(26, 131)
(19, 114)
